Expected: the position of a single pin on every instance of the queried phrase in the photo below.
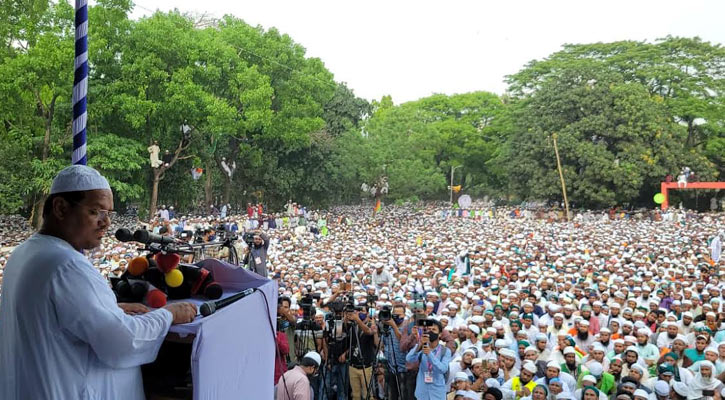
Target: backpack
(443, 354)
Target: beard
(672, 335)
(686, 323)
(499, 336)
(582, 335)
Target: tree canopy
(265, 122)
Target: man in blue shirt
(395, 373)
(434, 360)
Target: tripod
(393, 369)
(307, 329)
(354, 331)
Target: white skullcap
(507, 353)
(461, 376)
(569, 350)
(553, 364)
(490, 382)
(313, 355)
(589, 378)
(595, 368)
(529, 366)
(662, 388)
(641, 393)
(78, 178)
(681, 388)
(475, 329)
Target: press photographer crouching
(295, 383)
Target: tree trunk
(227, 190)
(46, 140)
(154, 192)
(36, 214)
(208, 195)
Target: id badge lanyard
(428, 376)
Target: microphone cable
(274, 336)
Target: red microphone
(168, 261)
(155, 298)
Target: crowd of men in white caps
(488, 303)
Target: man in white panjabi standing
(62, 334)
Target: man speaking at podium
(62, 334)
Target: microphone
(210, 307)
(147, 237)
(124, 235)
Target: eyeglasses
(97, 212)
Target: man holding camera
(434, 360)
(364, 339)
(391, 335)
(256, 254)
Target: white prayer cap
(461, 376)
(681, 388)
(78, 178)
(529, 366)
(508, 353)
(641, 393)
(490, 382)
(589, 378)
(662, 388)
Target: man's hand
(425, 343)
(133, 308)
(341, 359)
(183, 312)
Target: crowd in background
(522, 305)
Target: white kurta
(62, 335)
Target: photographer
(364, 338)
(391, 335)
(434, 360)
(287, 323)
(255, 255)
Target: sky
(412, 49)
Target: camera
(248, 238)
(385, 314)
(308, 309)
(226, 233)
(350, 305)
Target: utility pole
(451, 186)
(561, 176)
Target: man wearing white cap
(472, 342)
(295, 383)
(520, 386)
(69, 338)
(461, 365)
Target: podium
(232, 350)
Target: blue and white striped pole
(80, 84)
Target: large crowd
(523, 305)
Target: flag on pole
(378, 206)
